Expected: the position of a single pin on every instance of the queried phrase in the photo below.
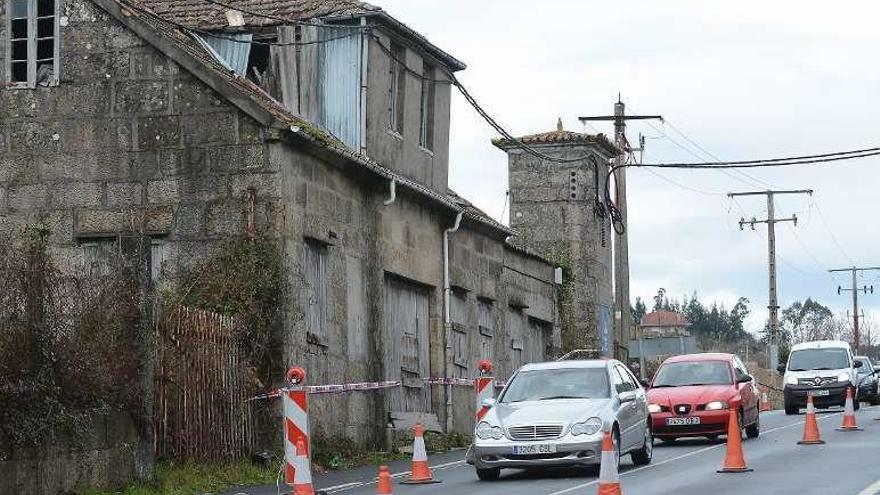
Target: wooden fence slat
(202, 387)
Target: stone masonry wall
(102, 457)
(551, 206)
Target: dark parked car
(868, 391)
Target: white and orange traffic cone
(811, 426)
(609, 481)
(302, 481)
(384, 482)
(421, 472)
(849, 414)
(765, 401)
(734, 461)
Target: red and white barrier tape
(362, 386)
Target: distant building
(664, 324)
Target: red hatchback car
(690, 396)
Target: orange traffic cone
(384, 482)
(302, 481)
(421, 472)
(811, 426)
(849, 414)
(609, 481)
(765, 401)
(734, 462)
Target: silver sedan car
(554, 414)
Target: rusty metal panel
(406, 345)
(339, 86)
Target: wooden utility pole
(771, 221)
(855, 297)
(622, 316)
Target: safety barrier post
(485, 387)
(296, 427)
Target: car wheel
(874, 400)
(643, 456)
(490, 474)
(754, 429)
(791, 409)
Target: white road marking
(684, 456)
(874, 489)
(358, 484)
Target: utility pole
(622, 316)
(855, 297)
(771, 221)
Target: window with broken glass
(32, 44)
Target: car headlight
(716, 405)
(486, 431)
(791, 380)
(653, 408)
(843, 377)
(587, 427)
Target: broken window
(32, 47)
(426, 127)
(397, 88)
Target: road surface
(849, 463)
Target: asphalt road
(849, 463)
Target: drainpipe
(447, 316)
(365, 59)
(392, 193)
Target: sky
(741, 80)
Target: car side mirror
(625, 397)
(858, 364)
(488, 402)
(781, 368)
(644, 383)
(744, 379)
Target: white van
(826, 368)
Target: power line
(815, 204)
(682, 186)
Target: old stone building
(326, 123)
(558, 209)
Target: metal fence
(201, 387)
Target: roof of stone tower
(559, 136)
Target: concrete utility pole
(622, 316)
(855, 293)
(771, 221)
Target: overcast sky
(742, 80)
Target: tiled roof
(203, 14)
(559, 136)
(664, 319)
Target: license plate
(537, 448)
(820, 393)
(693, 420)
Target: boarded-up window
(460, 334)
(315, 275)
(406, 345)
(485, 328)
(396, 88)
(157, 258)
(515, 330)
(99, 256)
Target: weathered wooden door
(406, 345)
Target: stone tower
(557, 210)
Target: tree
(639, 310)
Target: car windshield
(564, 383)
(818, 359)
(682, 374)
